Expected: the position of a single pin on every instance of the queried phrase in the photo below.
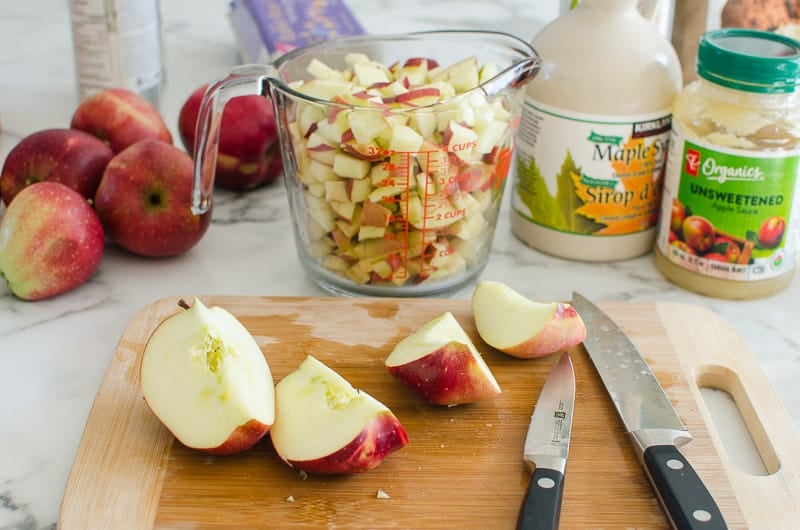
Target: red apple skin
(249, 155)
(716, 256)
(144, 200)
(564, 330)
(382, 436)
(243, 438)
(446, 376)
(120, 118)
(698, 233)
(73, 158)
(771, 232)
(51, 241)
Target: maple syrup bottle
(592, 143)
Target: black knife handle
(684, 496)
(541, 507)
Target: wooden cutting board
(463, 467)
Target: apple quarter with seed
(521, 327)
(441, 364)
(204, 376)
(325, 426)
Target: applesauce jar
(730, 210)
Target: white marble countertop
(55, 352)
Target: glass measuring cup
(395, 173)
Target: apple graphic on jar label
(698, 233)
(677, 216)
(771, 232)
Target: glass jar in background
(730, 212)
(117, 44)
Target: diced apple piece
(366, 125)
(205, 377)
(440, 363)
(374, 214)
(325, 426)
(424, 123)
(470, 227)
(419, 97)
(360, 189)
(344, 209)
(521, 327)
(321, 70)
(324, 89)
(321, 172)
(489, 135)
(369, 73)
(350, 167)
(319, 209)
(463, 75)
(370, 232)
(335, 263)
(336, 190)
(405, 139)
(461, 140)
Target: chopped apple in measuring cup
(403, 184)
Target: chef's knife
(652, 423)
(547, 446)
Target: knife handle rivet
(701, 515)
(545, 483)
(674, 464)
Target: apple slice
(325, 426)
(520, 327)
(441, 364)
(204, 376)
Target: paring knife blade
(547, 447)
(650, 420)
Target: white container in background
(593, 140)
(117, 44)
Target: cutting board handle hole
(736, 421)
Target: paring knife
(652, 423)
(547, 447)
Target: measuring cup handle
(249, 79)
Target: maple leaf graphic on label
(630, 202)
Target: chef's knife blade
(650, 420)
(547, 447)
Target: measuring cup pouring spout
(395, 151)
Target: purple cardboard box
(266, 29)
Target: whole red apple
(249, 155)
(728, 247)
(698, 233)
(716, 256)
(771, 232)
(144, 200)
(73, 158)
(121, 118)
(678, 215)
(51, 241)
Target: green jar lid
(750, 60)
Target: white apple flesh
(440, 363)
(521, 327)
(325, 426)
(205, 377)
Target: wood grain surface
(463, 466)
